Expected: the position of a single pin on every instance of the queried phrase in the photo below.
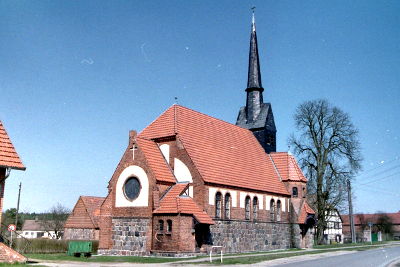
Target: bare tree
(329, 152)
(54, 220)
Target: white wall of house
(37, 234)
(334, 230)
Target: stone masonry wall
(79, 234)
(244, 236)
(129, 237)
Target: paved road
(369, 258)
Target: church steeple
(257, 116)
(254, 75)
(254, 87)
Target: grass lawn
(64, 257)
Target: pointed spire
(254, 75)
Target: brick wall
(180, 239)
(2, 185)
(244, 236)
(105, 224)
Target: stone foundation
(80, 234)
(129, 237)
(246, 236)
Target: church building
(190, 181)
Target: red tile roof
(174, 203)
(86, 213)
(365, 218)
(156, 160)
(288, 167)
(223, 153)
(93, 205)
(304, 211)
(8, 156)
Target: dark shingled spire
(254, 75)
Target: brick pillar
(2, 184)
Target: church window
(218, 200)
(278, 210)
(132, 188)
(255, 208)
(247, 208)
(161, 225)
(295, 193)
(272, 210)
(169, 226)
(227, 206)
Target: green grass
(137, 259)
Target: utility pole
(16, 214)
(353, 233)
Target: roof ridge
(221, 120)
(275, 168)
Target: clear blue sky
(76, 76)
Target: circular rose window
(132, 188)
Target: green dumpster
(77, 248)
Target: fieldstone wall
(245, 236)
(129, 237)
(79, 234)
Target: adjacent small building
(334, 227)
(37, 229)
(83, 222)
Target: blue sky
(76, 76)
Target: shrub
(42, 246)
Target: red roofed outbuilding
(83, 222)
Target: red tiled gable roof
(305, 210)
(156, 160)
(174, 203)
(168, 202)
(223, 153)
(8, 156)
(93, 205)
(288, 167)
(365, 218)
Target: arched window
(255, 208)
(227, 206)
(169, 226)
(247, 208)
(161, 225)
(272, 210)
(218, 199)
(295, 193)
(304, 192)
(278, 210)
